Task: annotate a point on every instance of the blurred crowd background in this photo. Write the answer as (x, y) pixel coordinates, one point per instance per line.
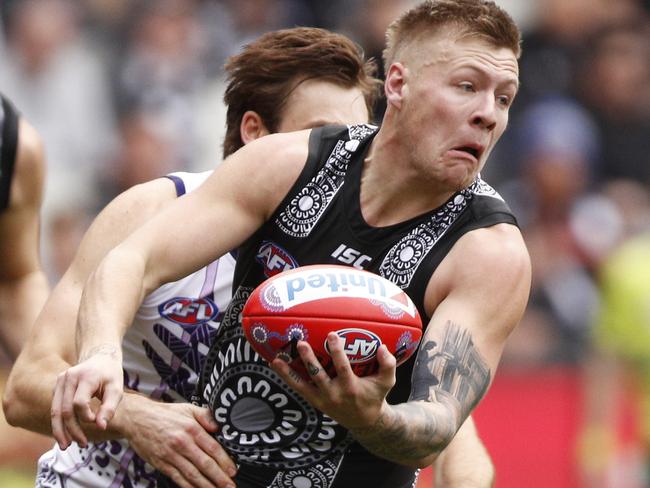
(123, 91)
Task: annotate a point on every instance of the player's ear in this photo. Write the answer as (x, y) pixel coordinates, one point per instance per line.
(395, 86)
(252, 127)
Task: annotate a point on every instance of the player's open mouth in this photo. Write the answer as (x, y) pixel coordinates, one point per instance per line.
(474, 151)
(471, 150)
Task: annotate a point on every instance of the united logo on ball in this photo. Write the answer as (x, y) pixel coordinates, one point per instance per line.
(307, 303)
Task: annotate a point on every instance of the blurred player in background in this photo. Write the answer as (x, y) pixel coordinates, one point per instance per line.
(287, 80)
(23, 285)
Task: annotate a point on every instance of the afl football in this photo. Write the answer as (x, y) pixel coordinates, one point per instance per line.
(306, 303)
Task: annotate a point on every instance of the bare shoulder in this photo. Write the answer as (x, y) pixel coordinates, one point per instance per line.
(488, 270)
(143, 200)
(498, 250)
(278, 154)
(261, 173)
(122, 216)
(497, 254)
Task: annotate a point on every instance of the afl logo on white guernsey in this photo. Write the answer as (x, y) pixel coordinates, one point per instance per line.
(189, 311)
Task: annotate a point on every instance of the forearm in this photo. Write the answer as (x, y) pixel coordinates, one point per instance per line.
(415, 432)
(27, 400)
(120, 426)
(27, 396)
(465, 462)
(412, 433)
(110, 299)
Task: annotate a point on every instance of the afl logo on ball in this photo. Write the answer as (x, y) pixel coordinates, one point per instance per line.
(360, 345)
(189, 311)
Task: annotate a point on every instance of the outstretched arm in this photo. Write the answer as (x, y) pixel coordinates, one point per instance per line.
(218, 216)
(174, 438)
(23, 285)
(477, 295)
(50, 347)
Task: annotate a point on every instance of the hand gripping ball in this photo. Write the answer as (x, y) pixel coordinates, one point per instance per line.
(306, 303)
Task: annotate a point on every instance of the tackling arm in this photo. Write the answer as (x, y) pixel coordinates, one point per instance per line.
(175, 438)
(50, 347)
(239, 196)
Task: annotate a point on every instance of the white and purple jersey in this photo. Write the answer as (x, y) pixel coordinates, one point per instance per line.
(163, 352)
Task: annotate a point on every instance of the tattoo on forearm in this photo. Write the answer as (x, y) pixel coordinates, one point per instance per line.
(454, 367)
(408, 432)
(451, 377)
(107, 349)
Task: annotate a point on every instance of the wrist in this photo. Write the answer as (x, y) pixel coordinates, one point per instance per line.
(125, 413)
(376, 422)
(107, 349)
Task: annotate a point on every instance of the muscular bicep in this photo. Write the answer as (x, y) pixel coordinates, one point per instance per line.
(219, 215)
(53, 333)
(486, 279)
(126, 213)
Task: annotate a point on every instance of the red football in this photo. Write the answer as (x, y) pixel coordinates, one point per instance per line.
(307, 303)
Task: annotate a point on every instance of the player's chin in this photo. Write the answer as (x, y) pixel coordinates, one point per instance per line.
(467, 176)
(459, 181)
(460, 174)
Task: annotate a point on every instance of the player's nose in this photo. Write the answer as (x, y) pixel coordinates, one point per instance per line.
(484, 114)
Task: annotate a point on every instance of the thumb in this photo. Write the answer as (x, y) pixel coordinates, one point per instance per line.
(204, 417)
(110, 400)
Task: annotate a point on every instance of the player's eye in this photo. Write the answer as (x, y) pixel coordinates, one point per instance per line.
(466, 86)
(504, 100)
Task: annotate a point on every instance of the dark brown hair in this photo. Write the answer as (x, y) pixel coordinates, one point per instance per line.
(263, 75)
(480, 18)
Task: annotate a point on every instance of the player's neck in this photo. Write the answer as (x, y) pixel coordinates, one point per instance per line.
(391, 193)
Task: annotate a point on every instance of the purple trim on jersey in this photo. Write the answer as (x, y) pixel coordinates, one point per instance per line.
(178, 183)
(89, 457)
(159, 392)
(210, 278)
(124, 468)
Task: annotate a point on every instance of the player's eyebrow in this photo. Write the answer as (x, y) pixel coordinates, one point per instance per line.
(505, 82)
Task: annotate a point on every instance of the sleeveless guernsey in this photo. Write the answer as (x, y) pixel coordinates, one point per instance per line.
(8, 147)
(278, 439)
(163, 352)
